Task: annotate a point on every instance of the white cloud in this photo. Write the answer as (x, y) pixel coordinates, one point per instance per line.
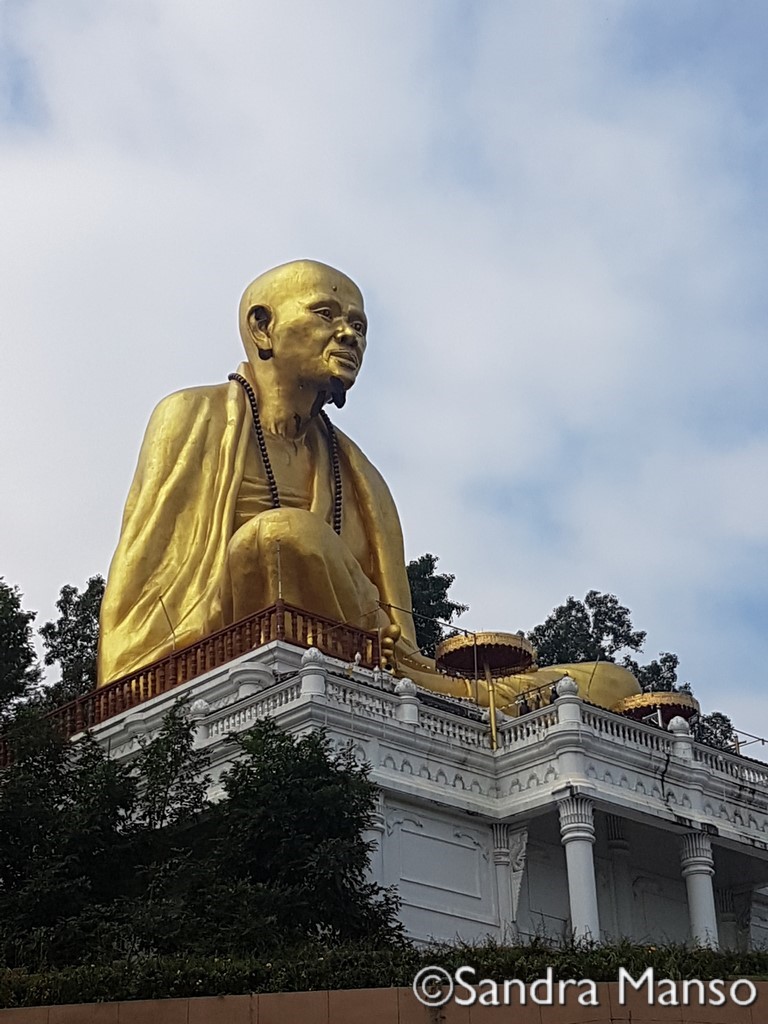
(556, 248)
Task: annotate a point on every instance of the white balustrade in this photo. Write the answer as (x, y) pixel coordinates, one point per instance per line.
(626, 732)
(736, 767)
(454, 729)
(373, 703)
(531, 728)
(240, 718)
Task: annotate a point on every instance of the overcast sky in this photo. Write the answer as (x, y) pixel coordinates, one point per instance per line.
(556, 212)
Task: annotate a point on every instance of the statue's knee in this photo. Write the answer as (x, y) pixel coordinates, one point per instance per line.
(291, 527)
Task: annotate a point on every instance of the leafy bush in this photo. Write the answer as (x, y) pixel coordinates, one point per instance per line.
(319, 967)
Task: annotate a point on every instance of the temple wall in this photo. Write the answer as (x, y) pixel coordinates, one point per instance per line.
(477, 840)
(442, 864)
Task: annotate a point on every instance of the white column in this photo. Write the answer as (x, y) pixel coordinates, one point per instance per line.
(577, 830)
(618, 848)
(726, 910)
(698, 868)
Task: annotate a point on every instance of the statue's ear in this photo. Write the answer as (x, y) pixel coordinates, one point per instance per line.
(259, 319)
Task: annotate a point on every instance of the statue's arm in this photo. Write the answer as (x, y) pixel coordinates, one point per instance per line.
(151, 576)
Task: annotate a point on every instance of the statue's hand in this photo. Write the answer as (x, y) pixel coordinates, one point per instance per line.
(389, 637)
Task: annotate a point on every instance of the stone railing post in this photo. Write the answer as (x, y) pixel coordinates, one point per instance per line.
(408, 709)
(682, 743)
(312, 673)
(570, 752)
(698, 870)
(568, 701)
(577, 830)
(198, 710)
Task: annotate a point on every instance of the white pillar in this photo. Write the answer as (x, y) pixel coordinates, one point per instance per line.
(698, 868)
(568, 701)
(312, 673)
(577, 830)
(682, 744)
(408, 710)
(618, 848)
(569, 743)
(726, 909)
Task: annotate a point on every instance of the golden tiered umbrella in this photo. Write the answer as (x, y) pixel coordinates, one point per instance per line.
(496, 655)
(667, 704)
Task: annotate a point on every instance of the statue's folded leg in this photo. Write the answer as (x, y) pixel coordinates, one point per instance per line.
(297, 553)
(602, 683)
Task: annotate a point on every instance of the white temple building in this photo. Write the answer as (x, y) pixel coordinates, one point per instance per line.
(580, 822)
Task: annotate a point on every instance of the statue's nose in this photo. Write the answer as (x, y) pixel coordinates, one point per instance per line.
(347, 335)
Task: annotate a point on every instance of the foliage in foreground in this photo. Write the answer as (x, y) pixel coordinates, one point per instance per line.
(317, 966)
(100, 860)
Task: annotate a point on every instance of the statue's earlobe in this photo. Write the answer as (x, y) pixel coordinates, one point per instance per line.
(259, 318)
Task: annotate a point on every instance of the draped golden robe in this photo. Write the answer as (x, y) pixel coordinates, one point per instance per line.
(178, 558)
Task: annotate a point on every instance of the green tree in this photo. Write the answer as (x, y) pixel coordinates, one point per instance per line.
(659, 675)
(63, 810)
(72, 641)
(87, 843)
(19, 670)
(289, 847)
(100, 859)
(173, 773)
(599, 628)
(429, 594)
(596, 628)
(716, 730)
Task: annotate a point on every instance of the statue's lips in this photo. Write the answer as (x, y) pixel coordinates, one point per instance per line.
(349, 358)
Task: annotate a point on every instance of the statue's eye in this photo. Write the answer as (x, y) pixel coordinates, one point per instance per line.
(325, 313)
(359, 326)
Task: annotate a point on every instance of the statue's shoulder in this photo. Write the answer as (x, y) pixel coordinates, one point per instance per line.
(190, 412)
(194, 398)
(190, 403)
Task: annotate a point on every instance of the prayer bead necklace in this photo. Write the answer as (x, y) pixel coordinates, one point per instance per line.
(333, 450)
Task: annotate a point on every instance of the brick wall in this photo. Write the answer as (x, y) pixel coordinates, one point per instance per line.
(380, 1006)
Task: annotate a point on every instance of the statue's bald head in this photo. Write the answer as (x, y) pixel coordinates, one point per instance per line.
(307, 320)
(286, 282)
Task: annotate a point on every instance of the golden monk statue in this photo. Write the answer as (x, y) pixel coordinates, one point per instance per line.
(245, 490)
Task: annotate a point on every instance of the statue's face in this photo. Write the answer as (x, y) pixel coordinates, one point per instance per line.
(319, 330)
